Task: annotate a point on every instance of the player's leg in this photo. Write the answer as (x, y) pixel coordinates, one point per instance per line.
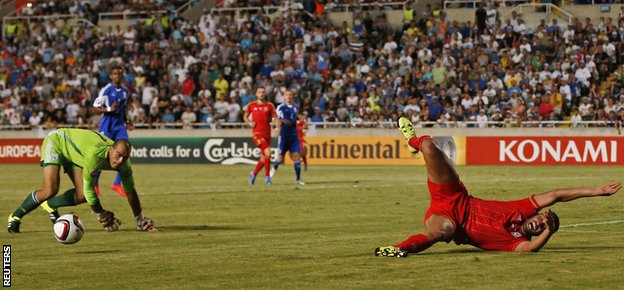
(96, 179)
(304, 155)
(439, 167)
(267, 163)
(278, 160)
(104, 131)
(51, 181)
(437, 229)
(70, 197)
(280, 155)
(259, 141)
(119, 133)
(295, 155)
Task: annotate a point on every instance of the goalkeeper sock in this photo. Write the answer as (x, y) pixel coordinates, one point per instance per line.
(259, 166)
(415, 243)
(68, 198)
(267, 166)
(117, 179)
(30, 202)
(298, 169)
(417, 141)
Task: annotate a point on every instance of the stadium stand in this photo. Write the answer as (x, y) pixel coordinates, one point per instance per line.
(363, 71)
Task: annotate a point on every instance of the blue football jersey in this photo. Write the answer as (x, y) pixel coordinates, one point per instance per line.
(289, 113)
(113, 123)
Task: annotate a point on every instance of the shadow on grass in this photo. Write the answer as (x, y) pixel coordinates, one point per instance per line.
(98, 252)
(197, 228)
(341, 182)
(581, 248)
(455, 251)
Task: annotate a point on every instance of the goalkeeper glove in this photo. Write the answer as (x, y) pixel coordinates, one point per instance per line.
(108, 220)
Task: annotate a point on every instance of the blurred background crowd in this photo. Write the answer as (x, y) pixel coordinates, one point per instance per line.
(433, 70)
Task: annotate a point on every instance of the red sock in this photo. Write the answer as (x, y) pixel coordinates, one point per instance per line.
(259, 166)
(267, 166)
(304, 159)
(415, 243)
(416, 141)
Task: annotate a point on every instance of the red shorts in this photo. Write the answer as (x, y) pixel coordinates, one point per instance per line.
(449, 200)
(262, 141)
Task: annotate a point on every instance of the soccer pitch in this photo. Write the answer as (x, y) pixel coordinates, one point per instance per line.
(218, 232)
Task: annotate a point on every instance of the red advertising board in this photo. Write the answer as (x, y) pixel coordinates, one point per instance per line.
(20, 150)
(544, 150)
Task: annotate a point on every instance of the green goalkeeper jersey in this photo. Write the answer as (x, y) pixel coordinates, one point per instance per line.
(68, 147)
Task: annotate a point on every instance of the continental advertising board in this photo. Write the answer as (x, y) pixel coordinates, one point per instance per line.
(375, 150)
(360, 150)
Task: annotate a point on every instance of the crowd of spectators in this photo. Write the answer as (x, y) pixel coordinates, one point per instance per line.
(84, 9)
(432, 70)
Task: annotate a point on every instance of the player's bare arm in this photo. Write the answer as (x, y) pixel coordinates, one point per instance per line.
(537, 243)
(104, 109)
(249, 123)
(568, 194)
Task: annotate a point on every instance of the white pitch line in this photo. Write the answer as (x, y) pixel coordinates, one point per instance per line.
(591, 224)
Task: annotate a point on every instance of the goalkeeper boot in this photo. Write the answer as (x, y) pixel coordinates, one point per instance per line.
(391, 251)
(405, 126)
(52, 213)
(252, 178)
(14, 224)
(300, 182)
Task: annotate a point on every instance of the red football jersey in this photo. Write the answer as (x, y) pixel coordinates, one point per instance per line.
(497, 225)
(261, 114)
(300, 125)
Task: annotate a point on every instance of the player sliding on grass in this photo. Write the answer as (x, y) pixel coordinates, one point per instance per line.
(455, 215)
(82, 154)
(288, 136)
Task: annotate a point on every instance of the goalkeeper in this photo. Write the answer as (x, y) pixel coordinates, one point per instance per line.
(81, 153)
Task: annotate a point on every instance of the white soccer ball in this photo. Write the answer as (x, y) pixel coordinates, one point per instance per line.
(68, 229)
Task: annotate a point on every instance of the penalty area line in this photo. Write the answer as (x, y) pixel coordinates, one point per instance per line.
(591, 224)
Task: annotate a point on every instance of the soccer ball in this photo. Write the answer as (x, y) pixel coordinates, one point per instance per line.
(68, 229)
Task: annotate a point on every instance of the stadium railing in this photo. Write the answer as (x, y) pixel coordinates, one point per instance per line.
(474, 3)
(67, 17)
(364, 124)
(5, 2)
(134, 15)
(365, 6)
(186, 6)
(541, 7)
(140, 15)
(238, 10)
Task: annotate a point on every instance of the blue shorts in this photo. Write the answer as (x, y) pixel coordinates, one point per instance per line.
(115, 133)
(288, 143)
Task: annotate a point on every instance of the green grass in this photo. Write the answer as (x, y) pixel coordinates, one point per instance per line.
(218, 232)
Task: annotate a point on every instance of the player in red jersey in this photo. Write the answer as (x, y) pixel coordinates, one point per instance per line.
(455, 215)
(258, 116)
(302, 127)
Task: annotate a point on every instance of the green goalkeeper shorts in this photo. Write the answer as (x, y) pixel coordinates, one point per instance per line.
(51, 152)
